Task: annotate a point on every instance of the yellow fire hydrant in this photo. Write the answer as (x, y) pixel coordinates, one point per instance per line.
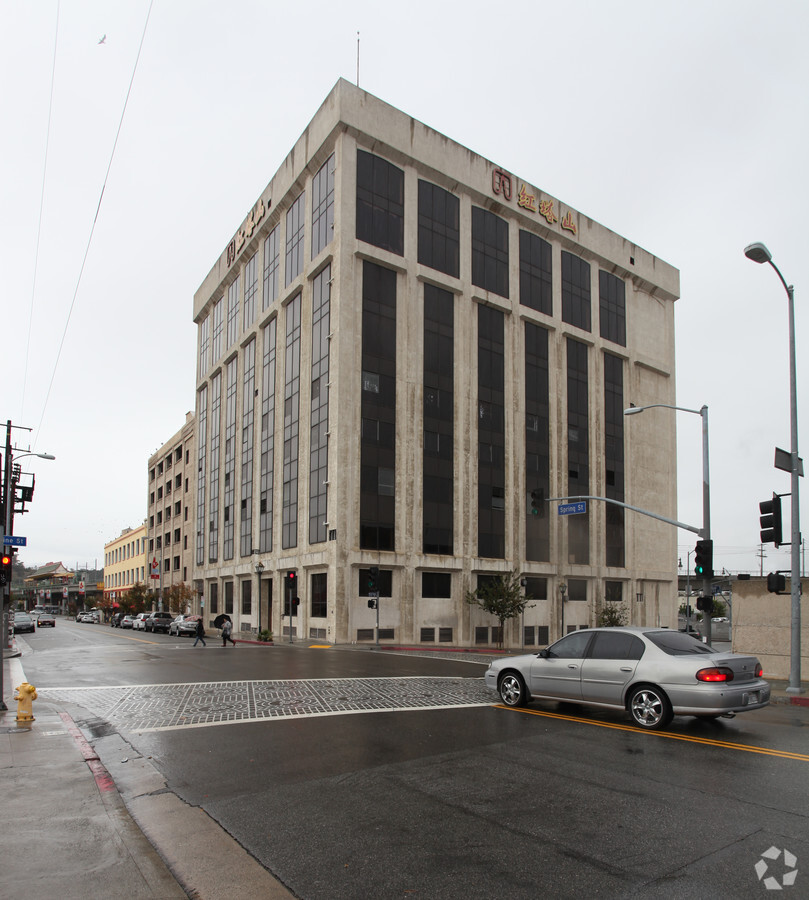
(25, 696)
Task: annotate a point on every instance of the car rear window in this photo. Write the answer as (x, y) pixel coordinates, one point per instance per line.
(676, 643)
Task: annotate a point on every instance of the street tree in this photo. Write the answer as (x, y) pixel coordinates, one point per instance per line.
(612, 615)
(177, 597)
(500, 596)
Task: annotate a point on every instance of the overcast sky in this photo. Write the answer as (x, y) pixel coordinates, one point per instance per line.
(683, 127)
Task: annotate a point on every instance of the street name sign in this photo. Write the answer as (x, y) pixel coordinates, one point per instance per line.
(14, 540)
(572, 509)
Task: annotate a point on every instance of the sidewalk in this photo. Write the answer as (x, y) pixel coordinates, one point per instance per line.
(81, 818)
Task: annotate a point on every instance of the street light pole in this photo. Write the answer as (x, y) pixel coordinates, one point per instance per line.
(259, 570)
(706, 486)
(760, 254)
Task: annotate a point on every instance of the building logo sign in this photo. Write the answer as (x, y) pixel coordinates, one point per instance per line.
(244, 234)
(501, 187)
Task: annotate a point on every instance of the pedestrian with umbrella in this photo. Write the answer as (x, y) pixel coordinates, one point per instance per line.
(223, 621)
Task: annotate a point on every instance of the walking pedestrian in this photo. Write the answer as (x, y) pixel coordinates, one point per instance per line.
(227, 627)
(200, 633)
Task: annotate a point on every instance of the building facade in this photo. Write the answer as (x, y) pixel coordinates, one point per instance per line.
(171, 506)
(125, 563)
(406, 356)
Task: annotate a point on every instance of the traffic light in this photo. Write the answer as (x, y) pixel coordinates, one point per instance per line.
(703, 559)
(372, 603)
(5, 569)
(538, 502)
(776, 583)
(771, 530)
(373, 574)
(290, 579)
(704, 604)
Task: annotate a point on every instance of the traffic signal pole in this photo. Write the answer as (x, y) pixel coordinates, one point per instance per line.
(706, 516)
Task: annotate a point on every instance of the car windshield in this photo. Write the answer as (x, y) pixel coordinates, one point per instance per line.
(676, 643)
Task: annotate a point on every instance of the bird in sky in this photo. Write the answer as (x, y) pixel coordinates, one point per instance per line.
(103, 40)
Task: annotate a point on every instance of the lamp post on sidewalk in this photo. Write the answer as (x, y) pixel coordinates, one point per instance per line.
(259, 570)
(760, 254)
(702, 412)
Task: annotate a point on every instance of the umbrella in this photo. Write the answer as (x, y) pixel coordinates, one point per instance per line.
(219, 621)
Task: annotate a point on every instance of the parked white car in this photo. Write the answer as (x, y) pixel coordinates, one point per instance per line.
(140, 621)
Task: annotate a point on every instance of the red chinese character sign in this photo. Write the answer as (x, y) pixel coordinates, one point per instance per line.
(154, 568)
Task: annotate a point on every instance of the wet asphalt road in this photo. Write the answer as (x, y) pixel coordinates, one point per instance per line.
(474, 802)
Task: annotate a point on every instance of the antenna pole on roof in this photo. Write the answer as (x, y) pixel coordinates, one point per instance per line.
(358, 59)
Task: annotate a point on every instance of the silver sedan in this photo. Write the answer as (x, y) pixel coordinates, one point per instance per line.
(653, 673)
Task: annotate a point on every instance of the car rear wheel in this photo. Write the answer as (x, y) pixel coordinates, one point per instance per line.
(650, 708)
(512, 689)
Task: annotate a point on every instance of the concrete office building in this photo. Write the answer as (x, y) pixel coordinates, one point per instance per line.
(403, 349)
(171, 508)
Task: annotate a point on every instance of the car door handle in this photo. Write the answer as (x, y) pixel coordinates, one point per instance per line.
(572, 666)
(626, 668)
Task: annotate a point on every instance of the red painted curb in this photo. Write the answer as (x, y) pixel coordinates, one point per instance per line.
(102, 777)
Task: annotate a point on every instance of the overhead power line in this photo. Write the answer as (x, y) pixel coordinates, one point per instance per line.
(95, 220)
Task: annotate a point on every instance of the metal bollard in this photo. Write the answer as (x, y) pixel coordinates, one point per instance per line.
(25, 696)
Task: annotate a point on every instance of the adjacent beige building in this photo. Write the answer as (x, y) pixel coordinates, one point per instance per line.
(409, 360)
(171, 508)
(125, 563)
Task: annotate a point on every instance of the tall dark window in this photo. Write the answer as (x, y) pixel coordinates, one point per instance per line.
(213, 499)
(614, 458)
(266, 465)
(319, 412)
(491, 433)
(578, 449)
(489, 251)
(233, 312)
(612, 307)
(272, 256)
(250, 291)
(575, 291)
(439, 368)
(202, 461)
(378, 408)
(248, 438)
(319, 604)
(229, 597)
(229, 518)
(292, 399)
(380, 202)
(537, 442)
(296, 227)
(439, 229)
(536, 284)
(323, 207)
(247, 597)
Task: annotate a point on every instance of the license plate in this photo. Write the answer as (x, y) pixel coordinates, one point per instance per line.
(752, 697)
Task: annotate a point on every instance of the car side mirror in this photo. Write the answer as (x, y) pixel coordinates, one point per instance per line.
(544, 654)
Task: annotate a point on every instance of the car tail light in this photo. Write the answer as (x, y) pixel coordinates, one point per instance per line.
(717, 673)
(759, 671)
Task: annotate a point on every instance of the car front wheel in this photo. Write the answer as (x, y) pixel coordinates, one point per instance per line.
(512, 689)
(650, 708)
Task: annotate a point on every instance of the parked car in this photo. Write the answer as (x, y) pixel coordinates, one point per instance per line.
(653, 673)
(45, 619)
(184, 625)
(127, 621)
(140, 621)
(158, 621)
(23, 622)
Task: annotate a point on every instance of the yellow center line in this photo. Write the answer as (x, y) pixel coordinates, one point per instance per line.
(784, 754)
